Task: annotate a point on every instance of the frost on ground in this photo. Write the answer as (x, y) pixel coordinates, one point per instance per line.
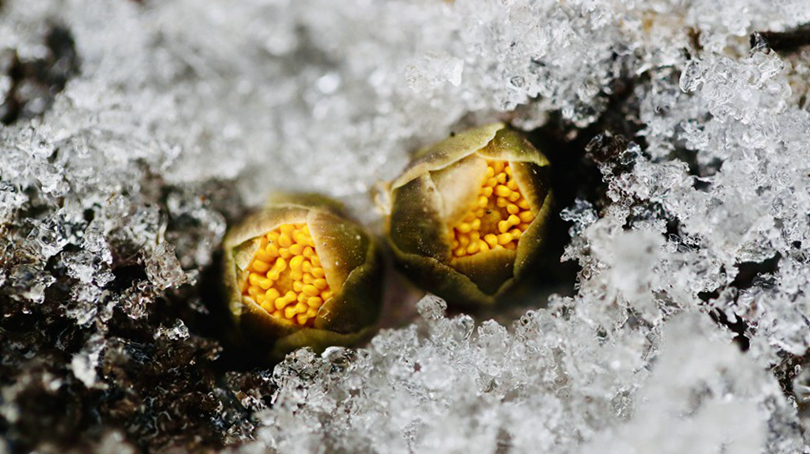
(136, 131)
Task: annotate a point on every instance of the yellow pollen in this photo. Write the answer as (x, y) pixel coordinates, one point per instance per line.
(265, 257)
(285, 276)
(320, 284)
(259, 266)
(498, 218)
(311, 290)
(285, 241)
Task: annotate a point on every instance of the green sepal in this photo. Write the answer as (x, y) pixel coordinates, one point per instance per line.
(448, 151)
(533, 182)
(342, 245)
(317, 339)
(488, 270)
(416, 224)
(305, 199)
(357, 305)
(509, 145)
(441, 279)
(531, 241)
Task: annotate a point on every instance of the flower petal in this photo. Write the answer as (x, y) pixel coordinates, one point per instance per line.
(458, 185)
(448, 151)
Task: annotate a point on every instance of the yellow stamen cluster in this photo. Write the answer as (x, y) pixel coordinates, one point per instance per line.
(498, 219)
(286, 277)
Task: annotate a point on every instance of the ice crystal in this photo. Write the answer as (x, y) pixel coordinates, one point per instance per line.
(163, 268)
(535, 389)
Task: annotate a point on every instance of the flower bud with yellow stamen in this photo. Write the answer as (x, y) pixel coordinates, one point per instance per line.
(468, 216)
(299, 273)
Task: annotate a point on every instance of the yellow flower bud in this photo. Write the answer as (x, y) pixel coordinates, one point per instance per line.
(299, 273)
(468, 216)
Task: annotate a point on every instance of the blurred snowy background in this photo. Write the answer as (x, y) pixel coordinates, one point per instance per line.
(135, 131)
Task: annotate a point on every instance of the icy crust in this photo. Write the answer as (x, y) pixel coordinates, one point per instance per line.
(138, 130)
(549, 385)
